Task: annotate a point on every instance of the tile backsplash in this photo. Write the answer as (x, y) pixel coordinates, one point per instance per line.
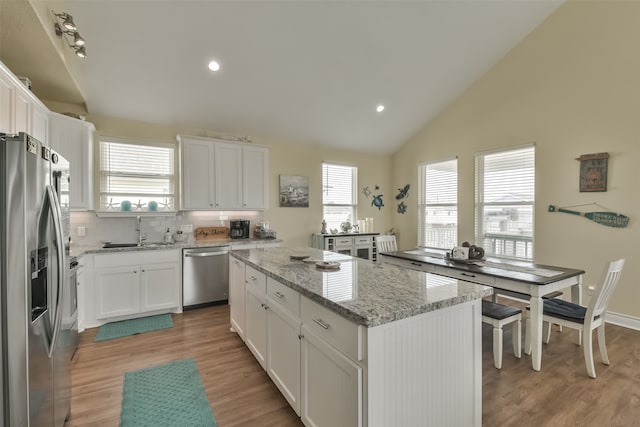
(123, 229)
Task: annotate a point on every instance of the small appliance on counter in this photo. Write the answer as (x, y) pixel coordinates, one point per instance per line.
(262, 231)
(239, 229)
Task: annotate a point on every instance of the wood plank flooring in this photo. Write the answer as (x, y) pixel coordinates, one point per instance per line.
(241, 393)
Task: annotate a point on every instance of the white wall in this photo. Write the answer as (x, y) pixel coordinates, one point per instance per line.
(572, 87)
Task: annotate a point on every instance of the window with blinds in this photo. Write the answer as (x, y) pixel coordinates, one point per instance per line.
(137, 172)
(438, 204)
(505, 201)
(339, 194)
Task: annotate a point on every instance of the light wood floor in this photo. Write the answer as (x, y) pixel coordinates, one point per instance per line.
(241, 393)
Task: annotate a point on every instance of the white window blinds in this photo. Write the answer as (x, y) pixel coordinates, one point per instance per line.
(339, 194)
(438, 204)
(142, 174)
(505, 201)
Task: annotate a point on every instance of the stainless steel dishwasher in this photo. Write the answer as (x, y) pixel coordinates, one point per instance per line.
(205, 276)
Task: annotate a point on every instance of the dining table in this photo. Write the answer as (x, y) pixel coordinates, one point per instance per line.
(527, 280)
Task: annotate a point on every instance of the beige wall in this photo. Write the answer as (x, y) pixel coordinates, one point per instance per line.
(572, 87)
(294, 225)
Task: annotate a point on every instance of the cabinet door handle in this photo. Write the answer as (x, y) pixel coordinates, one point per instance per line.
(300, 336)
(321, 323)
(142, 271)
(253, 278)
(278, 294)
(135, 271)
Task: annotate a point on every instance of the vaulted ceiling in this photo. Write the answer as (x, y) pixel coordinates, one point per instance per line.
(306, 71)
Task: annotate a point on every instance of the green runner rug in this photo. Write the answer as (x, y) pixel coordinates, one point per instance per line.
(166, 395)
(124, 328)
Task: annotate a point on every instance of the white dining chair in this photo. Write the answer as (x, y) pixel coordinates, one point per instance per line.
(386, 243)
(584, 319)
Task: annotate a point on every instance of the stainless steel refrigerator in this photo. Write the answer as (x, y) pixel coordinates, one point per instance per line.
(36, 360)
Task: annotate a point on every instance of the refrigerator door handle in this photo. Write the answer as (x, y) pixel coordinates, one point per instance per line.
(59, 236)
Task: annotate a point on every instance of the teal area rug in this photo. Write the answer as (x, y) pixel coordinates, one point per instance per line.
(124, 328)
(166, 395)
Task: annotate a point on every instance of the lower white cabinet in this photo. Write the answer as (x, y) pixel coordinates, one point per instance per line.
(331, 385)
(133, 283)
(255, 336)
(283, 352)
(237, 296)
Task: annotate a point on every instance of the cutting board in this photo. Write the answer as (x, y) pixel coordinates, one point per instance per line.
(211, 233)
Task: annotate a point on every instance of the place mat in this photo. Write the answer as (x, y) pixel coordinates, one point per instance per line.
(125, 328)
(166, 395)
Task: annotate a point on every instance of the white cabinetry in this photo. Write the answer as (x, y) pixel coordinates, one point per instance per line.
(216, 174)
(255, 163)
(331, 385)
(357, 245)
(256, 314)
(21, 112)
(132, 283)
(6, 103)
(283, 340)
(228, 175)
(237, 296)
(39, 128)
(73, 139)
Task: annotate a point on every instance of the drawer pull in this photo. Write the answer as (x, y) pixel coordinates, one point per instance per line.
(278, 294)
(416, 264)
(321, 323)
(253, 278)
(467, 275)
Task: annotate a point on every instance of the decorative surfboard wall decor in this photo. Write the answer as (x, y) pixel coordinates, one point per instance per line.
(610, 219)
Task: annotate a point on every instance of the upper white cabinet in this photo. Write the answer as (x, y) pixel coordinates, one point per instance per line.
(255, 172)
(39, 128)
(218, 174)
(73, 139)
(228, 175)
(20, 109)
(6, 103)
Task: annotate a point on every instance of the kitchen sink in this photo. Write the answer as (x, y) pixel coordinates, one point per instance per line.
(155, 244)
(109, 245)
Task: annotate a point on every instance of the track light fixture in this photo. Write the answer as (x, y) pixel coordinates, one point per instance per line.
(66, 28)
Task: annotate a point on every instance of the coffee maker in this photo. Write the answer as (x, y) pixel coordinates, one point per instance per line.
(239, 229)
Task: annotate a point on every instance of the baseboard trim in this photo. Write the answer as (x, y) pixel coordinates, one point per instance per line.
(623, 320)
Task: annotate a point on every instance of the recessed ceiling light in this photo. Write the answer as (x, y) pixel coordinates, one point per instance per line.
(380, 108)
(214, 66)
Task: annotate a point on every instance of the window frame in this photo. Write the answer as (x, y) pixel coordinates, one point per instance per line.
(103, 210)
(424, 205)
(479, 206)
(354, 194)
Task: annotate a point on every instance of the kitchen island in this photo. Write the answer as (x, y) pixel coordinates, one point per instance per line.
(366, 344)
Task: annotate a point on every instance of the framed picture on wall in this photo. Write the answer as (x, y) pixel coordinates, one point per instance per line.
(593, 172)
(294, 191)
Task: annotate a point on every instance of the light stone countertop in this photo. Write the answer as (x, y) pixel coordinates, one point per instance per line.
(77, 250)
(365, 292)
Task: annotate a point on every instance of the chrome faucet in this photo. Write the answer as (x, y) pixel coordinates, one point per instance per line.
(139, 230)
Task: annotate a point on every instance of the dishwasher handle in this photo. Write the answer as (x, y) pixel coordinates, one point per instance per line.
(205, 254)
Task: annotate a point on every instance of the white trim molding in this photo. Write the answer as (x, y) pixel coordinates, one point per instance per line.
(623, 320)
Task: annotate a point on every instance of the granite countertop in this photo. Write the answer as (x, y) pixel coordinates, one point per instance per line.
(365, 292)
(537, 274)
(78, 250)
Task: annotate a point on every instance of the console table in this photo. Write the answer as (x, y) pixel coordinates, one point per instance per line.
(531, 279)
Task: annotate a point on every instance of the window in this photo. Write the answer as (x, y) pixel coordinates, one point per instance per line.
(138, 172)
(505, 195)
(339, 194)
(438, 204)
